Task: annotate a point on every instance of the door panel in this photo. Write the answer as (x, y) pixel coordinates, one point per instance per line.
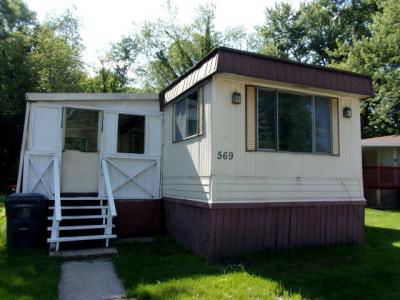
(45, 129)
(79, 172)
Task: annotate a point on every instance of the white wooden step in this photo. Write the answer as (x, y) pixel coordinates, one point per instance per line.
(82, 238)
(81, 227)
(80, 207)
(81, 198)
(80, 217)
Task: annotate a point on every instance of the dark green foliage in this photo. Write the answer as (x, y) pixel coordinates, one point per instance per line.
(309, 33)
(379, 56)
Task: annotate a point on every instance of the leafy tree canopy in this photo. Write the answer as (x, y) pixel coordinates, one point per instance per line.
(165, 49)
(378, 55)
(310, 32)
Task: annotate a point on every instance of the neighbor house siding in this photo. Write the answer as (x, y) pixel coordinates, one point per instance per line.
(271, 176)
(187, 164)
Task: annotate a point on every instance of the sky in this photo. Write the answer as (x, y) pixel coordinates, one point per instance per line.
(105, 21)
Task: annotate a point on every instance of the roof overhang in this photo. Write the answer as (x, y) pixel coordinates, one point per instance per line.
(226, 60)
(380, 145)
(91, 96)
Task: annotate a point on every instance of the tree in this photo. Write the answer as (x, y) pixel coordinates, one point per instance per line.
(16, 26)
(33, 57)
(56, 55)
(379, 56)
(165, 49)
(315, 29)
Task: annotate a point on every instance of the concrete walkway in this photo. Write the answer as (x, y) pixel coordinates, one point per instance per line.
(89, 280)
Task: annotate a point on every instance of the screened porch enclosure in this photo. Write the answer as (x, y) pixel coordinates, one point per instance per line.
(86, 141)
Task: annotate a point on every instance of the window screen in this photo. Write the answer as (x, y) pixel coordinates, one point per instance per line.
(81, 130)
(131, 130)
(186, 117)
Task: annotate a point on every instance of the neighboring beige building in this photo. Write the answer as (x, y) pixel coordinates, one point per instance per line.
(381, 168)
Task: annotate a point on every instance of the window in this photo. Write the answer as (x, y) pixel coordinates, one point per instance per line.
(295, 123)
(186, 117)
(81, 130)
(131, 134)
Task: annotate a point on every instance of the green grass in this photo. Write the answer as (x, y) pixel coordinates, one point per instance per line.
(25, 274)
(164, 270)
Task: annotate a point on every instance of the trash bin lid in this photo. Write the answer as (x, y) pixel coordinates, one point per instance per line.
(25, 197)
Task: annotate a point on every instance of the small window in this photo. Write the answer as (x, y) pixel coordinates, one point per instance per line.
(81, 130)
(131, 134)
(186, 117)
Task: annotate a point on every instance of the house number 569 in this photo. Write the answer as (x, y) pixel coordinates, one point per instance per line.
(225, 155)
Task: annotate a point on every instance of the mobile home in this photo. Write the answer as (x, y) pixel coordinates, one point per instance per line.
(248, 153)
(262, 153)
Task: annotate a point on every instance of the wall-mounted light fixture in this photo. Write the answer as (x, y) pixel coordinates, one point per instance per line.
(236, 98)
(347, 112)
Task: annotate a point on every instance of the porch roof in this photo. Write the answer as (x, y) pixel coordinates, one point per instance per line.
(90, 96)
(382, 141)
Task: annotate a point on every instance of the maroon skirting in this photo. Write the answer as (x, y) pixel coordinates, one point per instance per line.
(228, 230)
(136, 218)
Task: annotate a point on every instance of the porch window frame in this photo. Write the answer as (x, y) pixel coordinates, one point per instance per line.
(145, 134)
(313, 119)
(64, 125)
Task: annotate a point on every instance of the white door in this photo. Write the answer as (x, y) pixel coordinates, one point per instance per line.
(80, 163)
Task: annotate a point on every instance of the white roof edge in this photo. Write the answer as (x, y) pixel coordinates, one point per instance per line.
(89, 96)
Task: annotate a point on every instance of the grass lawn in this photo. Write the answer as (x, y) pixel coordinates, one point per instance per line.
(28, 274)
(164, 270)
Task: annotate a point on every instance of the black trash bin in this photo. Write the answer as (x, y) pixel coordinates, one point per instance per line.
(26, 220)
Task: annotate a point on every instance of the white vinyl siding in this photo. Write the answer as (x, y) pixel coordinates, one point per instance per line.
(260, 176)
(187, 164)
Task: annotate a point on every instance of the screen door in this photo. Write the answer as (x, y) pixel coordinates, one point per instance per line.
(80, 158)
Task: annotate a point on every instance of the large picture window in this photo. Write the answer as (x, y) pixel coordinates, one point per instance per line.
(131, 130)
(291, 122)
(186, 117)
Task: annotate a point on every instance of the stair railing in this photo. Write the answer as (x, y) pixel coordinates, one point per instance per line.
(111, 211)
(57, 217)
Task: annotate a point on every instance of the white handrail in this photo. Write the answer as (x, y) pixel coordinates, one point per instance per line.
(110, 197)
(57, 198)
